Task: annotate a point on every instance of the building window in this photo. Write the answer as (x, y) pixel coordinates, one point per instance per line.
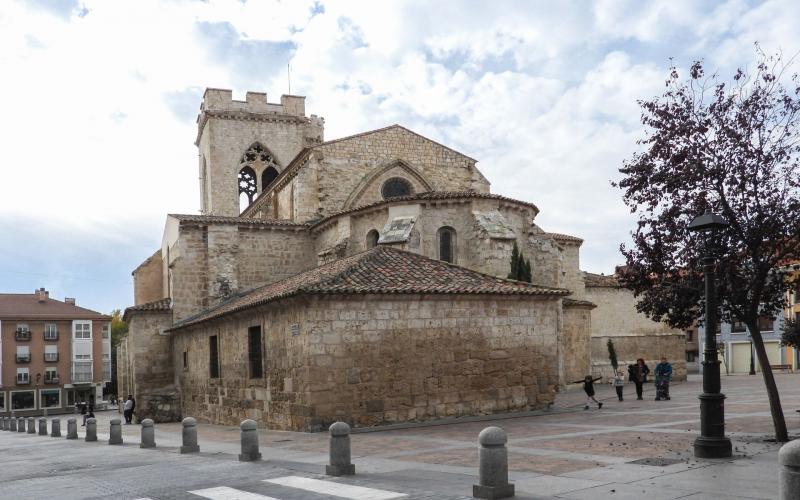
(254, 352)
(185, 360)
(50, 398)
(247, 187)
(738, 327)
(23, 332)
(50, 376)
(688, 335)
(23, 354)
(3, 401)
(396, 187)
(23, 376)
(372, 239)
(50, 331)
(447, 244)
(23, 400)
(213, 357)
(267, 176)
(83, 330)
(765, 323)
(106, 331)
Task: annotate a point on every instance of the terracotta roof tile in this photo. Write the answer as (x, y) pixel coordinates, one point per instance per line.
(565, 237)
(600, 280)
(381, 270)
(220, 219)
(156, 305)
(27, 306)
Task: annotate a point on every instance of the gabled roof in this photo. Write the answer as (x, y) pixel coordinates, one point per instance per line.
(244, 221)
(160, 305)
(381, 270)
(27, 306)
(565, 238)
(600, 280)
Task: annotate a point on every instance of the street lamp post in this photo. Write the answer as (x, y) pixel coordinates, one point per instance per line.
(711, 443)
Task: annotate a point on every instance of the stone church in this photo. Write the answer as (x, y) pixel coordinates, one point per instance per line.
(358, 279)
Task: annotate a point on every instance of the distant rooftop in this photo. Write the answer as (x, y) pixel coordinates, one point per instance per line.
(39, 305)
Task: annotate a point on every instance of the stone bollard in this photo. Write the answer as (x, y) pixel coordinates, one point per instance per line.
(31, 425)
(42, 426)
(72, 428)
(55, 427)
(5, 423)
(148, 434)
(340, 451)
(115, 432)
(91, 429)
(789, 482)
(21, 424)
(249, 431)
(189, 435)
(12, 424)
(493, 465)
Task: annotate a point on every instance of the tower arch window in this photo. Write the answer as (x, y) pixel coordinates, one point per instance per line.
(247, 186)
(446, 237)
(372, 239)
(269, 175)
(396, 187)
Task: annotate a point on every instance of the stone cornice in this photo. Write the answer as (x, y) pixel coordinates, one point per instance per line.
(205, 115)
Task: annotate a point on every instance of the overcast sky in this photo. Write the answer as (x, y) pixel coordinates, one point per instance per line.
(99, 101)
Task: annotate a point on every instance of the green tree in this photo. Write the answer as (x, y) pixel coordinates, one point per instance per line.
(520, 267)
(612, 355)
(118, 327)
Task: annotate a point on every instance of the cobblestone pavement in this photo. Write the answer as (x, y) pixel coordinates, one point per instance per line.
(631, 449)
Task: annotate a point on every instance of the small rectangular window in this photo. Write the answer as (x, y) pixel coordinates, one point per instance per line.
(3, 401)
(83, 330)
(213, 357)
(50, 331)
(185, 360)
(106, 331)
(254, 352)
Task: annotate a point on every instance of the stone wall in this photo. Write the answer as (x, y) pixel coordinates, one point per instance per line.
(576, 342)
(373, 360)
(147, 280)
(650, 347)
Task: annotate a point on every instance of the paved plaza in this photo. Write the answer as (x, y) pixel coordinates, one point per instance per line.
(634, 449)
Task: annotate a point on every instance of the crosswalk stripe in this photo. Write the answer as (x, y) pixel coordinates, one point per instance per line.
(225, 493)
(335, 489)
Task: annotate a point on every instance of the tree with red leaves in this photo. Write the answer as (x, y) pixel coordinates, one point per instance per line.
(732, 148)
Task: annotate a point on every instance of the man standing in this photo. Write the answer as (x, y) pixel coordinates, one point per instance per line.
(663, 375)
(128, 409)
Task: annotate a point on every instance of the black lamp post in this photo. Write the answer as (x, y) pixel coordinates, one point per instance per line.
(711, 443)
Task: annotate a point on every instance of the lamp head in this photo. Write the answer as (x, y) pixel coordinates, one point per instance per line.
(708, 222)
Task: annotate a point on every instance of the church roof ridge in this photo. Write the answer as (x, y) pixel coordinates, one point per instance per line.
(380, 270)
(565, 237)
(223, 219)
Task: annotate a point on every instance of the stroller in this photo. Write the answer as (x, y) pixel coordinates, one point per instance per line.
(662, 388)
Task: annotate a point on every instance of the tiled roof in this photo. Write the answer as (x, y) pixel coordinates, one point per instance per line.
(27, 306)
(578, 303)
(600, 280)
(156, 305)
(381, 270)
(565, 237)
(426, 196)
(221, 219)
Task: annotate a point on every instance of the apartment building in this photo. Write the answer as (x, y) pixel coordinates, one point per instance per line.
(52, 354)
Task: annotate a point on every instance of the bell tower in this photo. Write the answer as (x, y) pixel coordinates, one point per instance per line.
(244, 145)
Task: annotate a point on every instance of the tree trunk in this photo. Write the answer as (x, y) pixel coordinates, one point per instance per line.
(781, 435)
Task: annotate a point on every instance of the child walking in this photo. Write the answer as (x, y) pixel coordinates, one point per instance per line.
(619, 382)
(588, 388)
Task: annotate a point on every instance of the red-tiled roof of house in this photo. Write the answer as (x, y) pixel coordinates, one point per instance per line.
(600, 280)
(160, 305)
(381, 270)
(28, 306)
(221, 219)
(565, 237)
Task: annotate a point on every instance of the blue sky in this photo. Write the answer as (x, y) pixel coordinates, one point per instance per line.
(101, 99)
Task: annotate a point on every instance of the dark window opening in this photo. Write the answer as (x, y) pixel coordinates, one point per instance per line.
(185, 360)
(247, 186)
(254, 352)
(372, 239)
(213, 357)
(395, 187)
(738, 327)
(765, 323)
(267, 177)
(447, 236)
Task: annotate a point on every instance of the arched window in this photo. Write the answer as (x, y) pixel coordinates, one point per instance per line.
(447, 244)
(247, 186)
(267, 177)
(395, 187)
(372, 239)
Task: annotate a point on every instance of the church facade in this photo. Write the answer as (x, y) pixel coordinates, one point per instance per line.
(358, 279)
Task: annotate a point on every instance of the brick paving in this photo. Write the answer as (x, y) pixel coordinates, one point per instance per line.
(565, 453)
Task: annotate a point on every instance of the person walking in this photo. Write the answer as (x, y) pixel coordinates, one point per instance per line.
(619, 382)
(83, 413)
(663, 376)
(128, 409)
(637, 374)
(588, 388)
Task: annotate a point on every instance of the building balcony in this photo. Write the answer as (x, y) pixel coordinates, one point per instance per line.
(82, 372)
(23, 380)
(23, 359)
(52, 380)
(50, 336)
(22, 335)
(50, 357)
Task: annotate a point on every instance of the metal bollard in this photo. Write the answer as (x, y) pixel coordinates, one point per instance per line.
(12, 424)
(493, 465)
(91, 430)
(55, 427)
(189, 435)
(72, 428)
(148, 434)
(115, 432)
(340, 451)
(789, 481)
(249, 431)
(42, 426)
(31, 425)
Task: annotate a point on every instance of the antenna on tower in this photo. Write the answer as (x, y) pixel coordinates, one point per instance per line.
(289, 76)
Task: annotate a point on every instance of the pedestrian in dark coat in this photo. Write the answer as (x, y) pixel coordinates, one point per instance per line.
(638, 375)
(588, 388)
